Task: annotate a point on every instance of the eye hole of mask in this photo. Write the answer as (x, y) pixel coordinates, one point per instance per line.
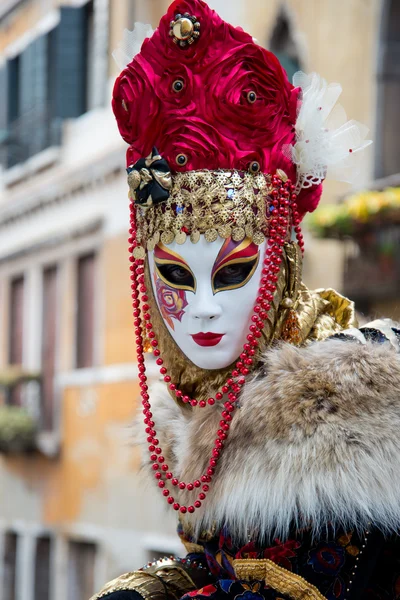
(176, 276)
(235, 275)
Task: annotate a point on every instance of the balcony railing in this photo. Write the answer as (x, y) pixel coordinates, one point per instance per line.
(28, 135)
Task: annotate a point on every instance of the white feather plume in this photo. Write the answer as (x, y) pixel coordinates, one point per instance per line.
(327, 145)
(131, 44)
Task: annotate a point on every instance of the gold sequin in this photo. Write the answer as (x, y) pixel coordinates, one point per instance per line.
(211, 235)
(167, 237)
(258, 238)
(195, 237)
(180, 237)
(238, 234)
(225, 231)
(139, 253)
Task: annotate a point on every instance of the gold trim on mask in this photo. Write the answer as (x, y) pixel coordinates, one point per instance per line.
(248, 259)
(169, 283)
(180, 262)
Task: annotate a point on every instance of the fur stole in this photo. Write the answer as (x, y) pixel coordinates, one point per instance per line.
(316, 441)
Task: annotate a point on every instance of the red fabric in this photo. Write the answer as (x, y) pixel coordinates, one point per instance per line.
(211, 120)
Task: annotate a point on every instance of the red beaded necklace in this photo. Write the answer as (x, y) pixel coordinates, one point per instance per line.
(283, 203)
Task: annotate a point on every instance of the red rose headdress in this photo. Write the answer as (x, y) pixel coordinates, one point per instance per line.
(209, 98)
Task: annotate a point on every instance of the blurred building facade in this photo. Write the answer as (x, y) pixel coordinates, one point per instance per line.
(73, 511)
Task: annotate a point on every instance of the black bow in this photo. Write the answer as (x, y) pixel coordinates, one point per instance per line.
(150, 180)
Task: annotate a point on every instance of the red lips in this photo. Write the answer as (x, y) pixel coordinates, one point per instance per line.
(207, 339)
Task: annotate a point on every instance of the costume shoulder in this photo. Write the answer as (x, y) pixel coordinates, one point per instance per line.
(121, 588)
(167, 577)
(315, 440)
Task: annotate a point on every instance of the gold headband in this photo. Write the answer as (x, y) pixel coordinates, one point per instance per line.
(224, 203)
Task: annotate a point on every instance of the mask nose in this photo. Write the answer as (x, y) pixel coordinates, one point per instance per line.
(204, 306)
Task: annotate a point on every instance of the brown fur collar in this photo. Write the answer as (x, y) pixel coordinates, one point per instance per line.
(315, 441)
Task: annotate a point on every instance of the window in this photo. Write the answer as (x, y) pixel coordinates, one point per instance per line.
(85, 311)
(10, 566)
(388, 123)
(42, 568)
(283, 45)
(52, 79)
(16, 333)
(49, 325)
(81, 564)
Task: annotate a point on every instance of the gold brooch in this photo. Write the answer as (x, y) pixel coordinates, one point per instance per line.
(184, 30)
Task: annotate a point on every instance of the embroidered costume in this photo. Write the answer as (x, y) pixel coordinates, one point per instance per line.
(275, 432)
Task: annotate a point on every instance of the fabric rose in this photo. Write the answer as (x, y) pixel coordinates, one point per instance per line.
(327, 558)
(249, 68)
(135, 105)
(211, 120)
(215, 36)
(198, 141)
(175, 102)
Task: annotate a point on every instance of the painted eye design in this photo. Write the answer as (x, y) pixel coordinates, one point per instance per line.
(176, 276)
(234, 275)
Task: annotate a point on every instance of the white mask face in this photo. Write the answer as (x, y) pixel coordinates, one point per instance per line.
(206, 293)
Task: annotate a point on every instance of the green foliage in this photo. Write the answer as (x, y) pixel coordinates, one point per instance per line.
(17, 430)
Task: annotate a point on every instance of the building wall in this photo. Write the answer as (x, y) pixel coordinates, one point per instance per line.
(85, 484)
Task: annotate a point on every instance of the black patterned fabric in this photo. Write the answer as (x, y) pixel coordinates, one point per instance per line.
(345, 566)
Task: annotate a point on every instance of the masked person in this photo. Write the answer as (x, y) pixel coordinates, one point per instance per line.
(275, 432)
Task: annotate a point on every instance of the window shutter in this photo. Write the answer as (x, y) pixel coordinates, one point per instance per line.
(3, 114)
(68, 45)
(33, 97)
(85, 311)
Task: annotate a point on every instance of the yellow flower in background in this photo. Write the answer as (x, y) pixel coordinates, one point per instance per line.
(358, 208)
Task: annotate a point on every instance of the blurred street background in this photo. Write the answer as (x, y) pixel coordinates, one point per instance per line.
(74, 511)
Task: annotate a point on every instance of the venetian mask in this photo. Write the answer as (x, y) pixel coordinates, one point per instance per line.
(205, 293)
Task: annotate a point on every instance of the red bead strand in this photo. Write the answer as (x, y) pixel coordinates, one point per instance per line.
(283, 202)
